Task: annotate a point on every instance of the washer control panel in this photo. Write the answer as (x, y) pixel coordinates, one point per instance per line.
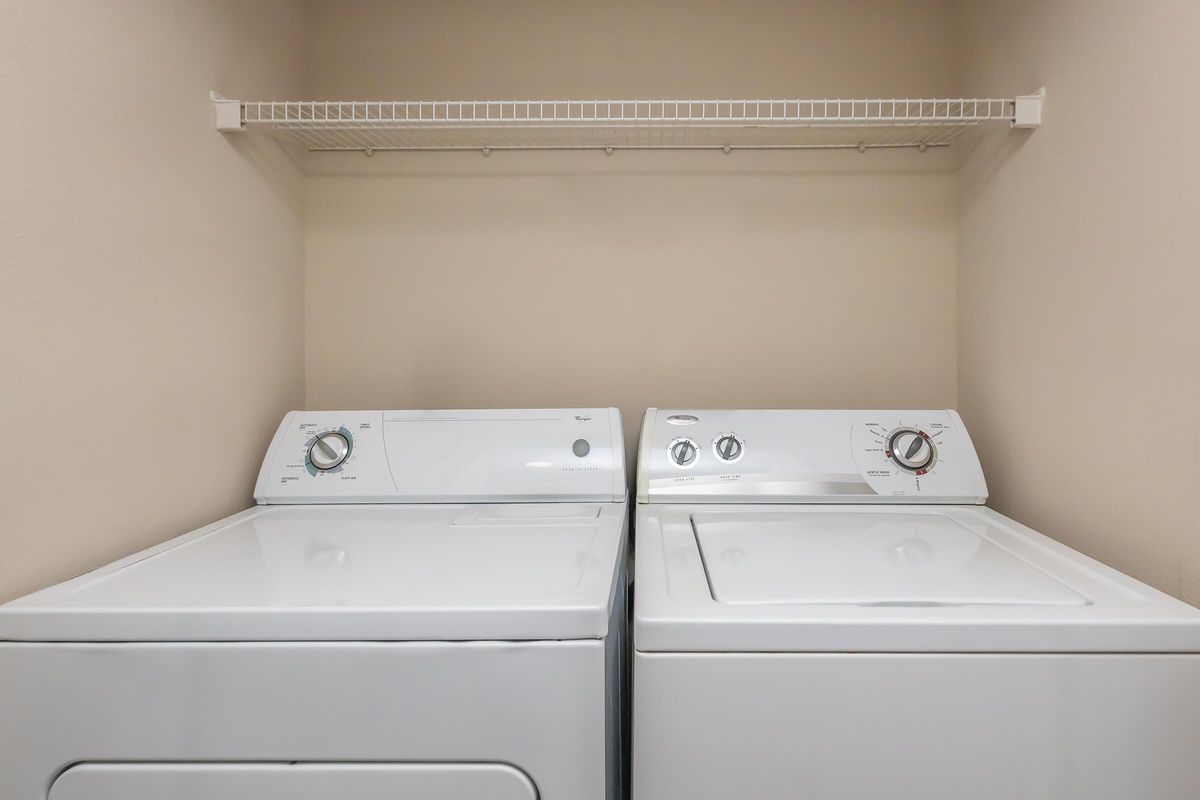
(798, 456)
(551, 455)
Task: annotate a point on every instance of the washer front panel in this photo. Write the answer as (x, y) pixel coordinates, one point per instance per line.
(765, 726)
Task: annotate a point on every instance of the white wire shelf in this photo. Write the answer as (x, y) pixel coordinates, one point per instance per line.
(487, 125)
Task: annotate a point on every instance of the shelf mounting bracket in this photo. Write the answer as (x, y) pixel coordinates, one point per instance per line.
(228, 113)
(1028, 111)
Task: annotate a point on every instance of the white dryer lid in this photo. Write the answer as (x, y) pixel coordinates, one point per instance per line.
(352, 573)
(839, 578)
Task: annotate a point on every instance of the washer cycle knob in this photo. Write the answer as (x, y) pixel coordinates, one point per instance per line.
(328, 451)
(682, 452)
(911, 449)
(729, 448)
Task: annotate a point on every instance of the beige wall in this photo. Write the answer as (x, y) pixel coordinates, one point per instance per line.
(1079, 289)
(155, 310)
(755, 279)
(151, 333)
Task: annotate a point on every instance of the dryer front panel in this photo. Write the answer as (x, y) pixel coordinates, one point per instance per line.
(292, 781)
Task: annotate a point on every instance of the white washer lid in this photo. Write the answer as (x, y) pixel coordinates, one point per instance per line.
(354, 573)
(878, 559)
(803, 578)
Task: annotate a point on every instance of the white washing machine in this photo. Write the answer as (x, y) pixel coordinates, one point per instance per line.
(423, 604)
(824, 609)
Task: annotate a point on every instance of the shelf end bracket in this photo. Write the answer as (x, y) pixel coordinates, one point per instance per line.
(1028, 109)
(228, 113)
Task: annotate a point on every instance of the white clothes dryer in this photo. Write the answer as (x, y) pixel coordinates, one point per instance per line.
(422, 604)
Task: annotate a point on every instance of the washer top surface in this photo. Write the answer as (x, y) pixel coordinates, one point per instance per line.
(881, 559)
(903, 578)
(350, 572)
(860, 531)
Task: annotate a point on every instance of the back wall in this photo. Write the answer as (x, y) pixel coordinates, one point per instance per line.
(700, 279)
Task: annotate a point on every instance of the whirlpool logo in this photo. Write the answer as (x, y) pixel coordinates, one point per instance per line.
(578, 418)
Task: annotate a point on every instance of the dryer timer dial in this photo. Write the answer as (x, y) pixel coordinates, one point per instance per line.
(328, 451)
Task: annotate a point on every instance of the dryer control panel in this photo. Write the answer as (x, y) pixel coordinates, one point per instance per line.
(551, 455)
(799, 456)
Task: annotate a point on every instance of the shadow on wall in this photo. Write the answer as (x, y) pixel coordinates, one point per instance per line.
(980, 160)
(276, 162)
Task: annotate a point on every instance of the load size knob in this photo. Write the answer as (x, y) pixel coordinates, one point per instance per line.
(328, 451)
(911, 449)
(682, 452)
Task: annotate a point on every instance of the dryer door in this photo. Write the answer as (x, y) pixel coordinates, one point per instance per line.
(293, 781)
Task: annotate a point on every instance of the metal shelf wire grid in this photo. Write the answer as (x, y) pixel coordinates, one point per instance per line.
(625, 124)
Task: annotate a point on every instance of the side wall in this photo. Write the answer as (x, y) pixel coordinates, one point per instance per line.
(809, 279)
(151, 270)
(1079, 352)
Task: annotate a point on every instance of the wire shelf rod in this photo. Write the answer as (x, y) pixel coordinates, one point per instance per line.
(610, 124)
